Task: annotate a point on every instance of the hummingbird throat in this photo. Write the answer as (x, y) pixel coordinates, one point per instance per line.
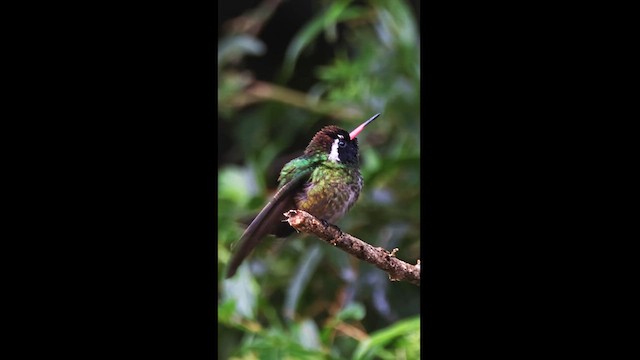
(333, 155)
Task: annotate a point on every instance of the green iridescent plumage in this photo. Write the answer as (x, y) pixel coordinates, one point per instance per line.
(331, 190)
(324, 182)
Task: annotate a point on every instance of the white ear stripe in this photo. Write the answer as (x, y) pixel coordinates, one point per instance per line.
(333, 156)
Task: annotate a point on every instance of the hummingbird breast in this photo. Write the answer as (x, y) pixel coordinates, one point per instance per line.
(330, 192)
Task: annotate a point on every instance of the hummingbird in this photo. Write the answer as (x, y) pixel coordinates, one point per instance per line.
(325, 181)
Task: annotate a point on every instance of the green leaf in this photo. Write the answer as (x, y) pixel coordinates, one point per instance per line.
(380, 338)
(277, 344)
(308, 335)
(354, 311)
(336, 12)
(226, 310)
(243, 289)
(307, 267)
(237, 185)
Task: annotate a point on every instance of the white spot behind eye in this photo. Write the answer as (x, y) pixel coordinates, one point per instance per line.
(333, 156)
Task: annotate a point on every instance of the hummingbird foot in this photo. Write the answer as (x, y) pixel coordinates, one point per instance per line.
(326, 224)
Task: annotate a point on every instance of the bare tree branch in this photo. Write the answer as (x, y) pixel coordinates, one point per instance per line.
(397, 269)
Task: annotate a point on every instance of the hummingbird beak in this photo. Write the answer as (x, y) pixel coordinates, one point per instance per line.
(357, 130)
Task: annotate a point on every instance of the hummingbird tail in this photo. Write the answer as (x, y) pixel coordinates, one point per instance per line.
(269, 221)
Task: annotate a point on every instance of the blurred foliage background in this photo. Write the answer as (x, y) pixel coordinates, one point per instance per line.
(285, 70)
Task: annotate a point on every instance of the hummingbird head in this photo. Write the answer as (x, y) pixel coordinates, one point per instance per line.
(337, 143)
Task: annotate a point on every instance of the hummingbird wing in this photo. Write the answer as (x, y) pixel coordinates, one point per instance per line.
(269, 220)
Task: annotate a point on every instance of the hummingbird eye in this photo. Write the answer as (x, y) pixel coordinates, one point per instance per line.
(342, 144)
